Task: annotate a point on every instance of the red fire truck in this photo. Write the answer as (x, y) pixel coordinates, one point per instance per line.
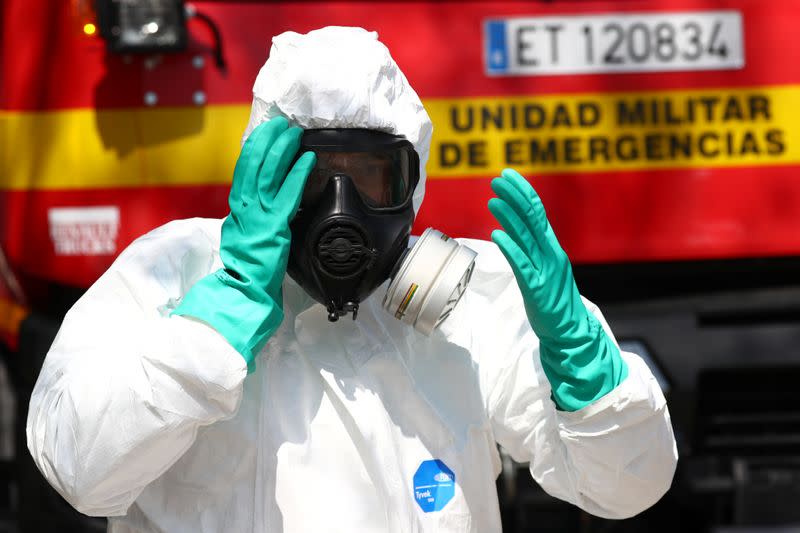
(662, 135)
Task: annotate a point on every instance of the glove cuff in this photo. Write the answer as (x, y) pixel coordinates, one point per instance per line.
(245, 321)
(584, 368)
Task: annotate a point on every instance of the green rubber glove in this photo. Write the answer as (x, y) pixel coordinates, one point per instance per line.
(581, 362)
(244, 301)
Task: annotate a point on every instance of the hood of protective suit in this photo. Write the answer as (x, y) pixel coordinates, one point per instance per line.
(338, 77)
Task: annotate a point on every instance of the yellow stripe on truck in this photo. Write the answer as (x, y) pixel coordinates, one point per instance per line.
(615, 131)
(88, 148)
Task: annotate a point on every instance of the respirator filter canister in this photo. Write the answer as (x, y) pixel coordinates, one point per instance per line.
(429, 281)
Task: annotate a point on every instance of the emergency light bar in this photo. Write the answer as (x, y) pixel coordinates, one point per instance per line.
(142, 26)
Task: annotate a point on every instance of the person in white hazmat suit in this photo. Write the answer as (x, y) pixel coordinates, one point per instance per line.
(196, 387)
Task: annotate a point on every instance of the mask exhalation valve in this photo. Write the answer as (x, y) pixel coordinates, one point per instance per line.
(343, 251)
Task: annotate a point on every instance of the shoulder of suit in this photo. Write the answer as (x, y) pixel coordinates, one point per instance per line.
(490, 258)
(176, 238)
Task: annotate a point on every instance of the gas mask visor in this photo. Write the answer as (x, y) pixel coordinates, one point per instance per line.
(352, 230)
(384, 168)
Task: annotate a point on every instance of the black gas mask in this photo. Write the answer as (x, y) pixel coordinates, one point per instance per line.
(351, 232)
(355, 217)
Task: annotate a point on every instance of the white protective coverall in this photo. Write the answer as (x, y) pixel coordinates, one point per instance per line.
(153, 420)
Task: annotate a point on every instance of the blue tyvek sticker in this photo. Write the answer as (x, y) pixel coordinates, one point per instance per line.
(496, 47)
(434, 485)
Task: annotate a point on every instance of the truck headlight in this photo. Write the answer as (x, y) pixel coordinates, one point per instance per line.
(131, 26)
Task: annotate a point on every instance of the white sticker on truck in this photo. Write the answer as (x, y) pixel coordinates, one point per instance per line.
(620, 42)
(84, 230)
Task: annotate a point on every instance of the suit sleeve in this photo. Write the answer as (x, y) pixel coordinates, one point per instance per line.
(124, 387)
(613, 458)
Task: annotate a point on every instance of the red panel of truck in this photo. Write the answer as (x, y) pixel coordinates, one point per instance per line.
(87, 166)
